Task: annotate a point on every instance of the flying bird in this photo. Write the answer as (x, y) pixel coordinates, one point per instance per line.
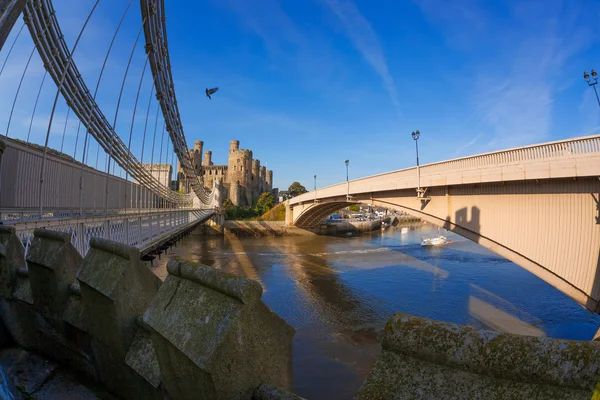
(211, 91)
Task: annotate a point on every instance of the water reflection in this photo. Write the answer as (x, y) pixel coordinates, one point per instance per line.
(339, 292)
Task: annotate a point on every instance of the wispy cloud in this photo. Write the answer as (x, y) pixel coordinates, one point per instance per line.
(518, 64)
(365, 40)
(459, 151)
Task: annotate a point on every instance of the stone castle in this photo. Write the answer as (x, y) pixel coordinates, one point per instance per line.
(243, 178)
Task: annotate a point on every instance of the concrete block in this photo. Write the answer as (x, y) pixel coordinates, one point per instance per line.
(214, 337)
(116, 288)
(423, 359)
(269, 392)
(52, 262)
(141, 356)
(12, 257)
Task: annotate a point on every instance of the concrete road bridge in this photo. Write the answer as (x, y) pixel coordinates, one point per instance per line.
(538, 206)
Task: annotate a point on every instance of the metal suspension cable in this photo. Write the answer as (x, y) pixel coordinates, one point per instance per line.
(55, 53)
(12, 109)
(35, 105)
(46, 26)
(160, 153)
(87, 131)
(137, 97)
(117, 110)
(11, 48)
(62, 81)
(166, 160)
(62, 142)
(144, 139)
(154, 137)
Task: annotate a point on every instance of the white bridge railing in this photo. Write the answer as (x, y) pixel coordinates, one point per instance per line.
(565, 158)
(140, 230)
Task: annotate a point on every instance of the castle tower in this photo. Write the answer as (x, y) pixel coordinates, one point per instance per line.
(207, 158)
(255, 179)
(269, 180)
(263, 179)
(197, 155)
(234, 145)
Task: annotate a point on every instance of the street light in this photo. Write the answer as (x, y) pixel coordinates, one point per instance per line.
(315, 188)
(592, 84)
(415, 136)
(347, 181)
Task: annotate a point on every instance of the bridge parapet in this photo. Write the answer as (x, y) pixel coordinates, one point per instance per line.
(570, 158)
(442, 360)
(91, 320)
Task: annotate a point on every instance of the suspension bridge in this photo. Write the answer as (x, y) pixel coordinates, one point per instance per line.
(97, 184)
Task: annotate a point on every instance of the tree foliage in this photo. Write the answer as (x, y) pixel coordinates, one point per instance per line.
(354, 207)
(296, 189)
(265, 202)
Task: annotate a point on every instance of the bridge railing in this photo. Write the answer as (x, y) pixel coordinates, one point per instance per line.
(494, 165)
(138, 230)
(559, 149)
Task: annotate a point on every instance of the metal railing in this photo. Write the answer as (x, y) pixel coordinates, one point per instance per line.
(139, 230)
(548, 152)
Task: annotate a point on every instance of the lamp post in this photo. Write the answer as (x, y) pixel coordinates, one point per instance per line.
(415, 136)
(592, 84)
(315, 188)
(347, 181)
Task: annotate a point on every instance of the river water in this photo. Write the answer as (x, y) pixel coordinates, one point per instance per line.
(338, 294)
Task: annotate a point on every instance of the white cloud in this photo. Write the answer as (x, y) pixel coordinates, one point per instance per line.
(365, 40)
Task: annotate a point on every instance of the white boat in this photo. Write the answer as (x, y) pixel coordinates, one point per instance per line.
(436, 241)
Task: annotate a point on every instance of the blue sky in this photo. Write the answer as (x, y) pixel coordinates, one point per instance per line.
(308, 84)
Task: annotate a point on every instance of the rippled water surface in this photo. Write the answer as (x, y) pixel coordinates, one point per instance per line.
(339, 292)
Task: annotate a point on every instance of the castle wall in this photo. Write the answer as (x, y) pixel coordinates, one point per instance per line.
(243, 178)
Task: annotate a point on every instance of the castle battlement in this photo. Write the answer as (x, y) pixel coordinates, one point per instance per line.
(243, 178)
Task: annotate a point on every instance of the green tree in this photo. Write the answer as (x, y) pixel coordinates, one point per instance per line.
(265, 202)
(296, 188)
(354, 207)
(228, 204)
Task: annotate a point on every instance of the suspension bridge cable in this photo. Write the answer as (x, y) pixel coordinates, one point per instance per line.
(35, 105)
(11, 48)
(112, 139)
(62, 142)
(46, 26)
(137, 97)
(160, 155)
(61, 83)
(144, 139)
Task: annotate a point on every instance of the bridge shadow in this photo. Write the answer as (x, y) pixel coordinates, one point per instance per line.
(463, 223)
(597, 201)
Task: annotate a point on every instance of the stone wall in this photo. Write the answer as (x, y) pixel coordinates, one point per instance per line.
(202, 334)
(426, 359)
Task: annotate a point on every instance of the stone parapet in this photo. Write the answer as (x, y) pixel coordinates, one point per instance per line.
(201, 334)
(212, 328)
(423, 359)
(52, 262)
(116, 288)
